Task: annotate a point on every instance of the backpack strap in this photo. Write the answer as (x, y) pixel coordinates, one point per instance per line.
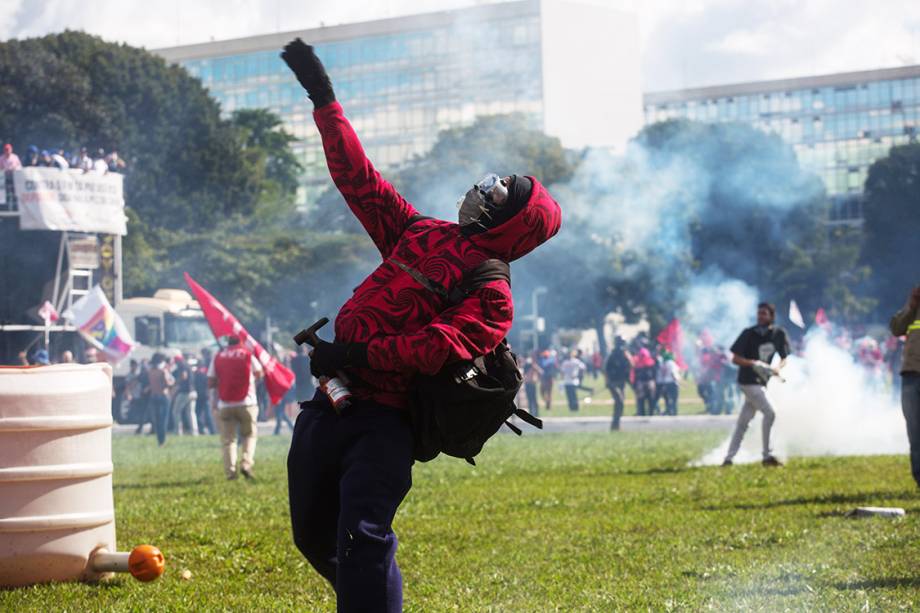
(488, 271)
(414, 220)
(514, 428)
(536, 422)
(431, 286)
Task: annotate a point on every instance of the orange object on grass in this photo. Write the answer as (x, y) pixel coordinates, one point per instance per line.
(146, 563)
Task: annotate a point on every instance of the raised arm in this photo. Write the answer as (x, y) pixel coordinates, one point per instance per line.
(374, 201)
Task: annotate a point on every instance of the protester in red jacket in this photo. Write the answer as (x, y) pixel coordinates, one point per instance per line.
(348, 473)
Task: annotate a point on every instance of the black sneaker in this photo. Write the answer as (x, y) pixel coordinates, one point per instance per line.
(771, 461)
(727, 463)
(232, 477)
(248, 474)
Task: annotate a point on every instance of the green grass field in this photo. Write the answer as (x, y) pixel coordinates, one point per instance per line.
(596, 522)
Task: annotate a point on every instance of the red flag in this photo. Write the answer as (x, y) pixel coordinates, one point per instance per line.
(278, 378)
(48, 313)
(671, 339)
(821, 318)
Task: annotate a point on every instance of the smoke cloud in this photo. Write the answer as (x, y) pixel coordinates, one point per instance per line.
(690, 219)
(829, 405)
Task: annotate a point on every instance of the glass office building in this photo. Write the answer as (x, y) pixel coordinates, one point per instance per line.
(838, 124)
(403, 80)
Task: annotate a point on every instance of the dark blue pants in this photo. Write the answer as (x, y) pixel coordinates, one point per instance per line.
(347, 475)
(203, 412)
(532, 405)
(670, 393)
(571, 394)
(618, 393)
(910, 405)
(160, 405)
(281, 417)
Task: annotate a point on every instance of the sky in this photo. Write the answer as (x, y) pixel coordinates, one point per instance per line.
(687, 43)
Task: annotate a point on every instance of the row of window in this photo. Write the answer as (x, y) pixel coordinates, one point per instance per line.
(519, 79)
(484, 41)
(876, 94)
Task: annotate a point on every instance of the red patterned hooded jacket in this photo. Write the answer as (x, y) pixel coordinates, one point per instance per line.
(409, 328)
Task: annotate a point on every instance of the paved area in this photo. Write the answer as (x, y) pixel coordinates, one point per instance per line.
(630, 423)
(567, 424)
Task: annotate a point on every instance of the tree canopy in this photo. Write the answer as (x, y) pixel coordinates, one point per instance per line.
(892, 225)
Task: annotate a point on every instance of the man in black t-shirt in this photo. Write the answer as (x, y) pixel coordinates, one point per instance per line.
(617, 368)
(753, 352)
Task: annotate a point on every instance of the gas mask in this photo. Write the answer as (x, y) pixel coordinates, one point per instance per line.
(479, 204)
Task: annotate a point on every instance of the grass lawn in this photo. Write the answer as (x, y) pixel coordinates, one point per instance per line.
(545, 522)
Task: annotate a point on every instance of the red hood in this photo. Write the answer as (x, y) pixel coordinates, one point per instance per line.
(534, 224)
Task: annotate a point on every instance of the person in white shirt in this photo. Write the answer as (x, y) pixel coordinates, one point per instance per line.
(572, 370)
(100, 166)
(59, 161)
(668, 382)
(83, 161)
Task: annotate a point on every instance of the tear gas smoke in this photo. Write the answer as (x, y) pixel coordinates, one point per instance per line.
(723, 307)
(829, 405)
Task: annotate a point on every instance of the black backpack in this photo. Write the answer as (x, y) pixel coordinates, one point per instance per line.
(458, 409)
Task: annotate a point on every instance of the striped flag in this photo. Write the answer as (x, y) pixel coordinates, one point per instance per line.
(101, 326)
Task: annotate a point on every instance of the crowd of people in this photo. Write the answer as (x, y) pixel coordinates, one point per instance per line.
(653, 374)
(98, 162)
(172, 395)
(650, 370)
(42, 357)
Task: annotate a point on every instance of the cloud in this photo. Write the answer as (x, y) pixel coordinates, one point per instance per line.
(173, 22)
(729, 41)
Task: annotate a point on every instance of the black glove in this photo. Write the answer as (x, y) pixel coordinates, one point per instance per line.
(301, 59)
(327, 359)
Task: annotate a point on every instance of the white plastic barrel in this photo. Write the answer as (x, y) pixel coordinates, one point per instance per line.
(55, 472)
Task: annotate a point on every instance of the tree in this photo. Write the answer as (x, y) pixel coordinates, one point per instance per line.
(258, 271)
(503, 144)
(755, 215)
(266, 147)
(751, 199)
(825, 273)
(892, 217)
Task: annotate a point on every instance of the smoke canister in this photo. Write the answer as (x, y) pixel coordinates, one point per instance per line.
(337, 392)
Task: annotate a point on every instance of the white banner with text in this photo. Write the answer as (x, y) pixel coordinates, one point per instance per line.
(53, 199)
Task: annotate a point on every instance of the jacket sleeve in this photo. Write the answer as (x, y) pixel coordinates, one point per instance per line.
(902, 320)
(373, 200)
(472, 328)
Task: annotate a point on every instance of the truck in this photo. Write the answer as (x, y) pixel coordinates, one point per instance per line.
(171, 323)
